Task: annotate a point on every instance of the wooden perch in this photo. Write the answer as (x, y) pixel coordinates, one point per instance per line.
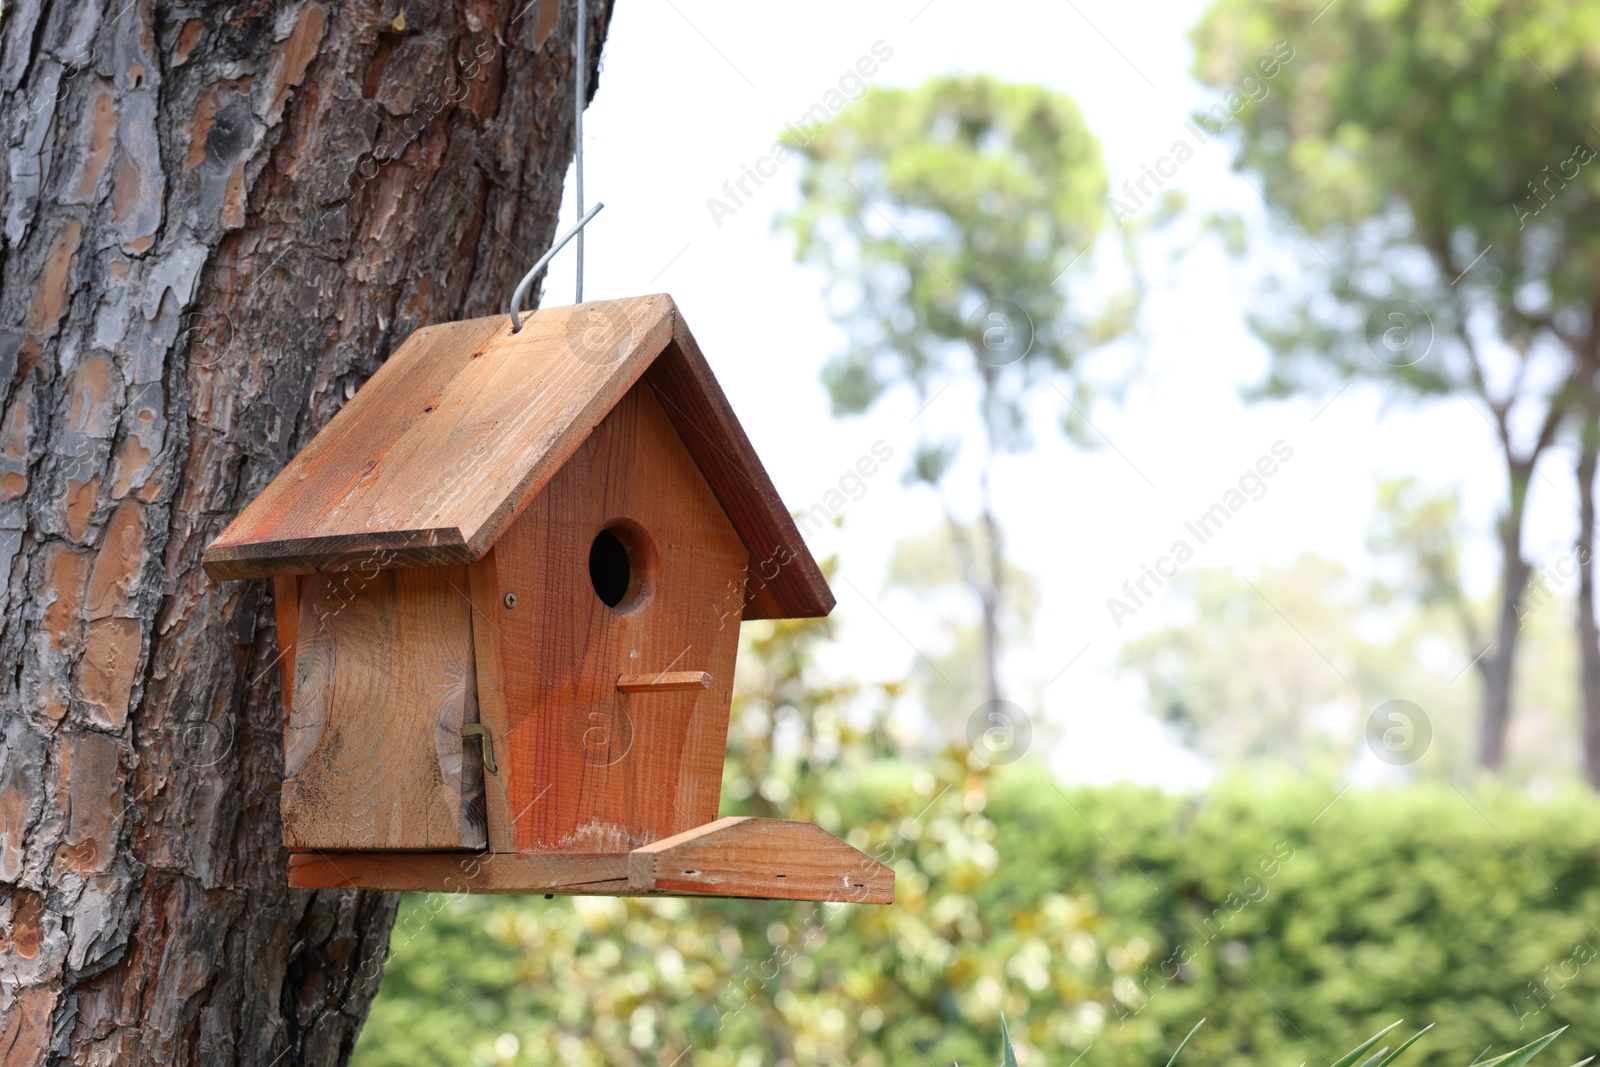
(766, 858)
(460, 872)
(770, 859)
(663, 682)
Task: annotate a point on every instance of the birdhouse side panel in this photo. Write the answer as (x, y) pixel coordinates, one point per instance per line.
(383, 681)
(625, 565)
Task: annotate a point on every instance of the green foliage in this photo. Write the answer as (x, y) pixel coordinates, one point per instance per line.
(1299, 927)
(945, 218)
(1296, 919)
(1408, 138)
(1099, 921)
(1418, 533)
(1434, 162)
(1382, 1058)
(922, 205)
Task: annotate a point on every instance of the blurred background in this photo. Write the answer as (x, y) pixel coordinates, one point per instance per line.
(1196, 405)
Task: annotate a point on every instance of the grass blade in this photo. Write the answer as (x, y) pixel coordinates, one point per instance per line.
(1009, 1058)
(1518, 1057)
(1184, 1042)
(1357, 1054)
(1372, 1060)
(1412, 1040)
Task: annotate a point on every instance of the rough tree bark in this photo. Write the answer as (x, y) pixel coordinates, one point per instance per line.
(216, 220)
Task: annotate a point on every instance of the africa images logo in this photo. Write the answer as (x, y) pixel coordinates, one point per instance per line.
(1211, 122)
(852, 85)
(1252, 485)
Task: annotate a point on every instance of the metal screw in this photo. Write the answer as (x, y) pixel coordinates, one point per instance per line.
(511, 600)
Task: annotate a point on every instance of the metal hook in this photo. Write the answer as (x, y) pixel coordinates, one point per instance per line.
(481, 732)
(580, 78)
(579, 84)
(515, 308)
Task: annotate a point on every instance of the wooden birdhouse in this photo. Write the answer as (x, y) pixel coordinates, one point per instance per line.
(509, 576)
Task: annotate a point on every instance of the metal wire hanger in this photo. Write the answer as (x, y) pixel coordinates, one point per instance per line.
(579, 80)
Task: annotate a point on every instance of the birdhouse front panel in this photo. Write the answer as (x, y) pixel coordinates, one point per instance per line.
(607, 628)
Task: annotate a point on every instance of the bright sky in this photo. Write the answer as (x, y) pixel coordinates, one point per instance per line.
(691, 91)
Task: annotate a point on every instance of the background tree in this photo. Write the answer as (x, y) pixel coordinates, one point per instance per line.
(932, 570)
(1438, 157)
(1583, 551)
(1249, 693)
(945, 218)
(214, 223)
(1240, 686)
(1416, 539)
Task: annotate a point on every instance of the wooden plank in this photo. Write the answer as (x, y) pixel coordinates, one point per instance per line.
(337, 465)
(383, 682)
(767, 858)
(784, 581)
(586, 768)
(485, 599)
(571, 404)
(663, 682)
(286, 611)
(423, 470)
(460, 872)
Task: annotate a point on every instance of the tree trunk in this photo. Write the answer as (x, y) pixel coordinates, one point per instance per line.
(989, 596)
(1497, 663)
(991, 572)
(215, 223)
(1588, 628)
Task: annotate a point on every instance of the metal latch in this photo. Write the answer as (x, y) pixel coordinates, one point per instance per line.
(478, 730)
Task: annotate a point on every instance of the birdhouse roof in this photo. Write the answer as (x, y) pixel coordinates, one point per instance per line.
(435, 457)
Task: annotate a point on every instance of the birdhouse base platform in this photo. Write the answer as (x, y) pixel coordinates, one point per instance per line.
(769, 859)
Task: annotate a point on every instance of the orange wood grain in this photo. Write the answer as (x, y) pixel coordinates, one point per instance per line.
(769, 858)
(383, 682)
(286, 612)
(460, 872)
(430, 476)
(783, 580)
(663, 682)
(303, 521)
(586, 768)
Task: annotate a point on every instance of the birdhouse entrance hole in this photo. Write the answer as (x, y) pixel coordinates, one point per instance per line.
(622, 566)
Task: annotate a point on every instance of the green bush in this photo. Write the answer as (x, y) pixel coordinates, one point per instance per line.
(1102, 919)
